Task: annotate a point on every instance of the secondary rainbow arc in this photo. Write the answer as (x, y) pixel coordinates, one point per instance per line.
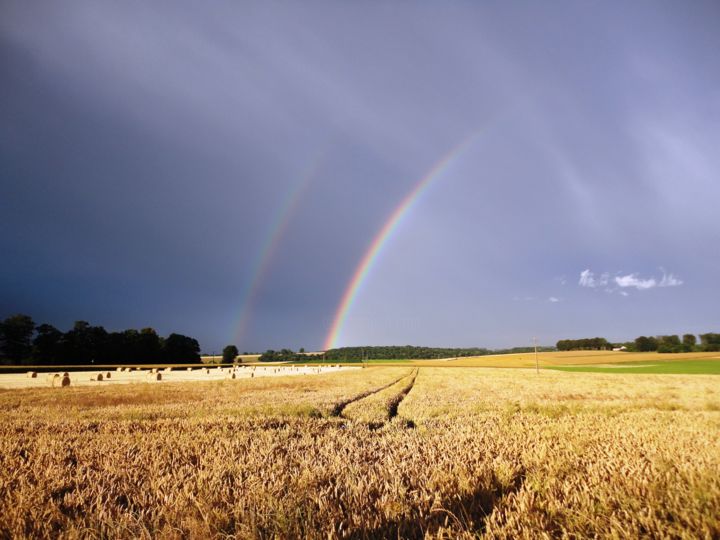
(275, 233)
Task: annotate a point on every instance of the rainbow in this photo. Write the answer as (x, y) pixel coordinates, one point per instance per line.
(275, 233)
(381, 238)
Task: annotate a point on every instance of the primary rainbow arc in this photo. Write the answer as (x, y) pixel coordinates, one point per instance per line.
(381, 238)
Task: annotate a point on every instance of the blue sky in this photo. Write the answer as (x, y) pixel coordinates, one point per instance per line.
(147, 151)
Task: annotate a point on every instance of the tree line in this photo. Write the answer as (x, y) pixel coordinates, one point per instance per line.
(21, 341)
(584, 344)
(673, 344)
(403, 352)
(662, 344)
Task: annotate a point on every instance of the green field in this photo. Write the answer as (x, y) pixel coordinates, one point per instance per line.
(679, 367)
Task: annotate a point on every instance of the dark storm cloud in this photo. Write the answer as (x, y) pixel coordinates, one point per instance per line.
(146, 148)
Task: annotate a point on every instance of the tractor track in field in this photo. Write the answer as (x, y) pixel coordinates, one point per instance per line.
(394, 403)
(340, 405)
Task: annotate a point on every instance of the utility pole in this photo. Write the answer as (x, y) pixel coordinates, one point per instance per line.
(537, 365)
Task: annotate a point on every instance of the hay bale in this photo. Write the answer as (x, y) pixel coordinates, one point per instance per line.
(118, 369)
(65, 381)
(231, 376)
(32, 374)
(99, 376)
(154, 376)
(50, 378)
(207, 371)
(189, 369)
(108, 375)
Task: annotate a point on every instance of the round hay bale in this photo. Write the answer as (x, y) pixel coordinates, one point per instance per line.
(118, 369)
(61, 381)
(207, 371)
(155, 376)
(100, 377)
(108, 375)
(232, 376)
(51, 378)
(32, 374)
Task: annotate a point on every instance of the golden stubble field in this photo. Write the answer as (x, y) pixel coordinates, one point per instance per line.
(373, 453)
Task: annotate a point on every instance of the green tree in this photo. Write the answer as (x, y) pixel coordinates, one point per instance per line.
(230, 353)
(646, 344)
(710, 342)
(16, 334)
(669, 344)
(689, 341)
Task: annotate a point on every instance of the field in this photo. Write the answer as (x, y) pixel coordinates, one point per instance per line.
(699, 362)
(18, 378)
(380, 452)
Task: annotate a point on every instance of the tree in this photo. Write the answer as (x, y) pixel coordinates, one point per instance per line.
(710, 342)
(47, 344)
(16, 337)
(646, 344)
(149, 346)
(230, 354)
(689, 341)
(84, 343)
(669, 344)
(181, 349)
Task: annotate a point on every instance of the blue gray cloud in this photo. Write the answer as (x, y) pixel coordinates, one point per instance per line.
(145, 149)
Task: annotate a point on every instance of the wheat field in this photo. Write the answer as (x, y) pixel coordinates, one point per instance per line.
(381, 452)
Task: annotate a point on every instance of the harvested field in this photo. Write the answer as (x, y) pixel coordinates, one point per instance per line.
(465, 452)
(125, 376)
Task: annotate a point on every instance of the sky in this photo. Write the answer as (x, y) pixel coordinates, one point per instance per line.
(310, 174)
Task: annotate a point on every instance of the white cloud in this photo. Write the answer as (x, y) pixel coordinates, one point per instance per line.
(624, 293)
(668, 280)
(553, 299)
(588, 279)
(627, 281)
(632, 280)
